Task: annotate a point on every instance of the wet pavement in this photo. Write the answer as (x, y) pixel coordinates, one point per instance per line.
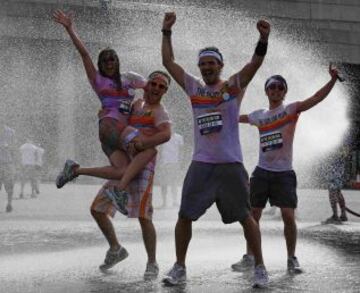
(51, 244)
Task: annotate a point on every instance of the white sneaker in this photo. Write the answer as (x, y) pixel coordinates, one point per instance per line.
(293, 265)
(113, 257)
(152, 271)
(176, 276)
(247, 262)
(261, 278)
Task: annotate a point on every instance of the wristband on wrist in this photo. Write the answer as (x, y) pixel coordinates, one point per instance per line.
(261, 48)
(166, 32)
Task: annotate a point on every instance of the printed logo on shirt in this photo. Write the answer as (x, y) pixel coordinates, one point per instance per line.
(271, 141)
(210, 123)
(204, 98)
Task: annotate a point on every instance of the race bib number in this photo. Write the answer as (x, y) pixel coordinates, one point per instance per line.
(271, 141)
(125, 107)
(209, 123)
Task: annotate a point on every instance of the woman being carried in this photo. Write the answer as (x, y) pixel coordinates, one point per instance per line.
(116, 92)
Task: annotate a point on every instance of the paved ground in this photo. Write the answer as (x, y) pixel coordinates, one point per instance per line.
(51, 244)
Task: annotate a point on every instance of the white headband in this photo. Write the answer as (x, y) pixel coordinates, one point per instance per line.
(274, 80)
(159, 75)
(210, 54)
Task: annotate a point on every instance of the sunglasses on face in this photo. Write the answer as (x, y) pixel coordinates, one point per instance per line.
(278, 86)
(159, 85)
(210, 63)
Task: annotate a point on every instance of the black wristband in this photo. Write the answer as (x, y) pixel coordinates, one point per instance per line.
(166, 32)
(261, 48)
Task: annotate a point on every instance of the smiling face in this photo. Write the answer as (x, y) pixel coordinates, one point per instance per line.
(155, 88)
(276, 91)
(210, 69)
(108, 63)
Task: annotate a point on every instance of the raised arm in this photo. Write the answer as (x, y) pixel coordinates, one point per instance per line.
(168, 59)
(246, 74)
(67, 22)
(321, 93)
(244, 119)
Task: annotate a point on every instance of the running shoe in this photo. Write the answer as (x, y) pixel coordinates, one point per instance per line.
(247, 262)
(119, 197)
(113, 257)
(176, 276)
(152, 271)
(293, 265)
(261, 278)
(67, 174)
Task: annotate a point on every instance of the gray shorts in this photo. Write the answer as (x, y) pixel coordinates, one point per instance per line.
(277, 187)
(225, 184)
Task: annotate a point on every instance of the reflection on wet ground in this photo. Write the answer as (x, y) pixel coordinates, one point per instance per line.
(327, 268)
(51, 245)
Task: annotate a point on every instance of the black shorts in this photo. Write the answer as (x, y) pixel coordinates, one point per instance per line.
(225, 184)
(277, 187)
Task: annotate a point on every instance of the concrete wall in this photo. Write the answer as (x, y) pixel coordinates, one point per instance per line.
(333, 24)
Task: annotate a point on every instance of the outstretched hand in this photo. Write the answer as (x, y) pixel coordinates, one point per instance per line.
(65, 20)
(169, 20)
(263, 27)
(333, 71)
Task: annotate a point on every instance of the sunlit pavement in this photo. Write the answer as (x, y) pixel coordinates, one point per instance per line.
(51, 244)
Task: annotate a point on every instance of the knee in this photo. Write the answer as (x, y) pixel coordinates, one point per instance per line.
(95, 214)
(183, 222)
(144, 222)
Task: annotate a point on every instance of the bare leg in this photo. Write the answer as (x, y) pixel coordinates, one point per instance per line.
(290, 231)
(119, 162)
(9, 188)
(333, 201)
(341, 201)
(256, 213)
(137, 164)
(103, 220)
(253, 238)
(106, 228)
(33, 183)
(22, 185)
(183, 233)
(149, 238)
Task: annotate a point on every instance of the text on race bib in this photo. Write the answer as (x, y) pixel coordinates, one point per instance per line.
(124, 107)
(209, 123)
(271, 141)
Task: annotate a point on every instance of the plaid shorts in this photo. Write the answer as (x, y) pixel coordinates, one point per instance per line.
(140, 200)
